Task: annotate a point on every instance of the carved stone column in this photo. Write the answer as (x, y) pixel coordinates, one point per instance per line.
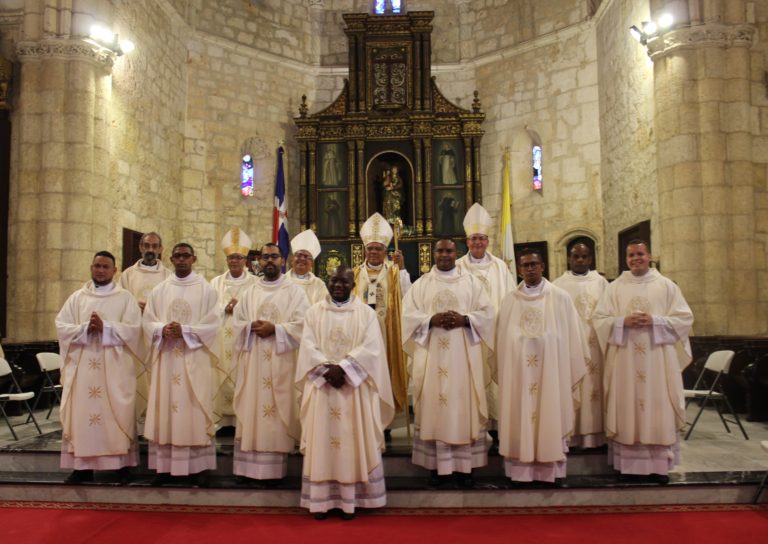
(706, 239)
(60, 159)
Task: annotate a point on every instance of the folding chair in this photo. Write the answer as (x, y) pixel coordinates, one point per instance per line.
(49, 362)
(15, 395)
(718, 362)
(764, 445)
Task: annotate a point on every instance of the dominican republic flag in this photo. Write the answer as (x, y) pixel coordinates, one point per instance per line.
(280, 212)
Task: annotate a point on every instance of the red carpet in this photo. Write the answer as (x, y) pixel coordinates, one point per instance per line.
(140, 524)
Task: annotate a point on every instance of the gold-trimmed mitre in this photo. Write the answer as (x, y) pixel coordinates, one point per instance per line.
(236, 241)
(477, 221)
(376, 229)
(307, 241)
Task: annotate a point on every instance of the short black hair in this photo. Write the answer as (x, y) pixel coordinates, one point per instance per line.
(445, 238)
(270, 244)
(637, 242)
(183, 244)
(529, 251)
(105, 253)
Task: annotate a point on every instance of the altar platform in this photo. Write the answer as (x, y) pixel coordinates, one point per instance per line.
(716, 468)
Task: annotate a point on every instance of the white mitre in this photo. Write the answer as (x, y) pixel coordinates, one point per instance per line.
(236, 241)
(376, 229)
(307, 241)
(477, 221)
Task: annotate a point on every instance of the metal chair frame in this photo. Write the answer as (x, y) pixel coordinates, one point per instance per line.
(718, 362)
(15, 394)
(48, 364)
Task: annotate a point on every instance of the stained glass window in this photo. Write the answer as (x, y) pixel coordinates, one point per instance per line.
(387, 7)
(246, 176)
(536, 156)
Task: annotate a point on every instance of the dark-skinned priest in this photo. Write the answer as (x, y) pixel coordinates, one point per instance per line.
(346, 402)
(447, 318)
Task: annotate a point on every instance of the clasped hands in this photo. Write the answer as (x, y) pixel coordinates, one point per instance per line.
(447, 320)
(334, 375)
(263, 329)
(95, 323)
(172, 330)
(638, 319)
(229, 308)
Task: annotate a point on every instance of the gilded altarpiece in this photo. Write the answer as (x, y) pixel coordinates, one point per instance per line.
(389, 143)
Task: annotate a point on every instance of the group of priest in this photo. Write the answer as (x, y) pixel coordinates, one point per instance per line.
(286, 359)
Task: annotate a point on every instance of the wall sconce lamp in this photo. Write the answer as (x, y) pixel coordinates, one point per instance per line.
(103, 38)
(651, 29)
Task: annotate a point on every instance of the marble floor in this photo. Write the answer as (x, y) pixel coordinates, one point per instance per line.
(717, 466)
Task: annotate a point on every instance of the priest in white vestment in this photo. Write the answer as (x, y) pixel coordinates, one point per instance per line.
(585, 287)
(181, 319)
(494, 276)
(139, 280)
(346, 403)
(381, 284)
(447, 318)
(642, 322)
(306, 248)
(230, 287)
(541, 360)
(268, 322)
(99, 330)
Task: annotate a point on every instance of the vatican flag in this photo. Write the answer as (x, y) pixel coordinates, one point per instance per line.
(507, 244)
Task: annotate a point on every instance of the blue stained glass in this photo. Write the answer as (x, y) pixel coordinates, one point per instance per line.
(537, 180)
(379, 7)
(246, 176)
(396, 6)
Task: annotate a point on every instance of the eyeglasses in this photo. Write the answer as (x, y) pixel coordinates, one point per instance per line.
(271, 256)
(235, 257)
(478, 238)
(530, 265)
(299, 256)
(182, 255)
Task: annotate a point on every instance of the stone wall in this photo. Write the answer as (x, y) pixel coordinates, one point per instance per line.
(547, 91)
(147, 109)
(628, 156)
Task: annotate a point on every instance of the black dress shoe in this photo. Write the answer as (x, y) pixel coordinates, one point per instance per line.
(161, 479)
(200, 480)
(434, 480)
(124, 475)
(79, 477)
(347, 517)
(465, 480)
(661, 479)
(272, 483)
(320, 516)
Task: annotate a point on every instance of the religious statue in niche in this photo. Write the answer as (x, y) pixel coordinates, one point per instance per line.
(448, 211)
(331, 167)
(392, 184)
(389, 186)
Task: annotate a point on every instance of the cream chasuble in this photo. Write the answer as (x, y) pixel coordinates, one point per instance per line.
(343, 429)
(98, 377)
(227, 288)
(447, 365)
(541, 361)
(313, 286)
(585, 290)
(644, 402)
(497, 280)
(384, 289)
(139, 280)
(266, 398)
(180, 410)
